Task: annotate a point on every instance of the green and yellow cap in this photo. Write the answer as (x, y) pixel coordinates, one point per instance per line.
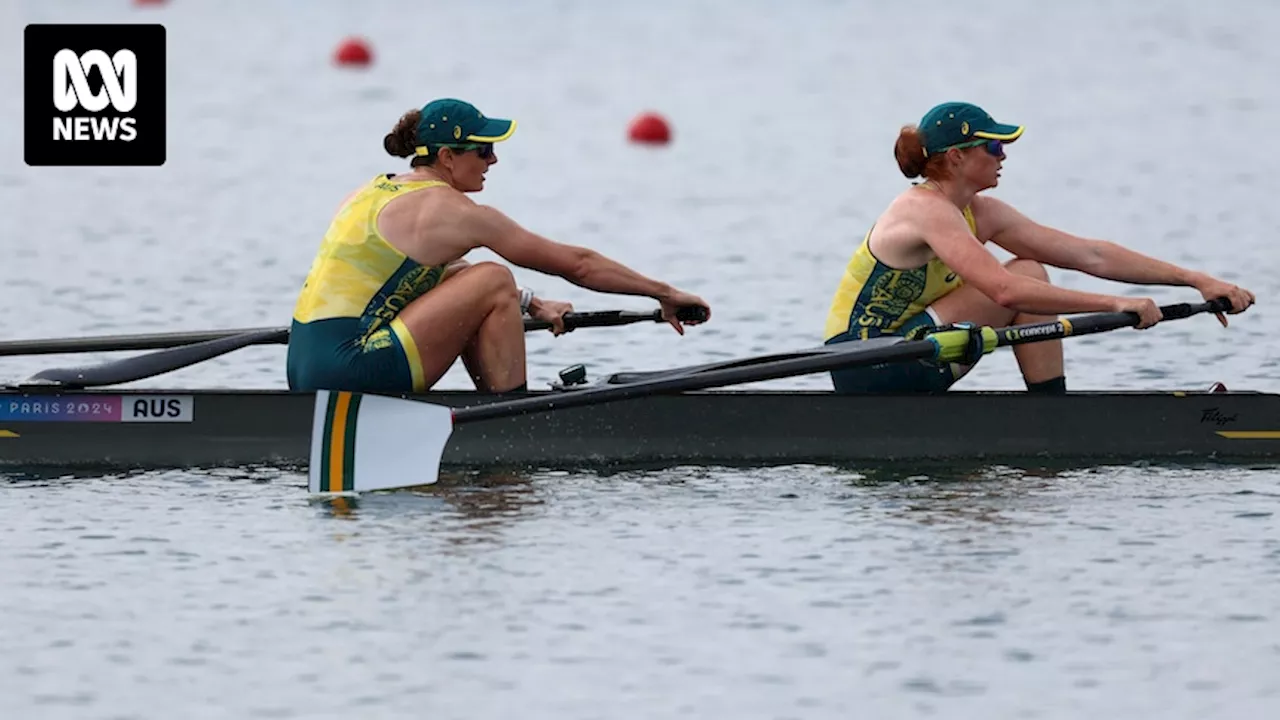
(959, 123)
(449, 121)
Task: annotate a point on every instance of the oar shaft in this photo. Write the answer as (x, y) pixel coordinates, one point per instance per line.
(150, 364)
(147, 341)
(882, 350)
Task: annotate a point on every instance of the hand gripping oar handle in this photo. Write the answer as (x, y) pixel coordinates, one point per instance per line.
(966, 344)
(1102, 322)
(610, 318)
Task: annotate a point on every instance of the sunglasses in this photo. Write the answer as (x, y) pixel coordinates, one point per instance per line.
(483, 150)
(993, 147)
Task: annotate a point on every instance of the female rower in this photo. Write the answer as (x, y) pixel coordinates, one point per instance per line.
(389, 304)
(924, 262)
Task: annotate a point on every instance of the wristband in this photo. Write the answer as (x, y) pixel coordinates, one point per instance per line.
(526, 297)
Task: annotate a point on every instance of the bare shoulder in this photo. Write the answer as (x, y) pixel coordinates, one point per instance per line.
(988, 205)
(993, 216)
(429, 225)
(449, 216)
(477, 225)
(484, 222)
(920, 210)
(900, 235)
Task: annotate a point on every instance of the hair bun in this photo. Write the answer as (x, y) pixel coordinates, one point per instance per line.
(403, 137)
(394, 145)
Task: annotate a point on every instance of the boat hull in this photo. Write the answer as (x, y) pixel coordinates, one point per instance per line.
(182, 429)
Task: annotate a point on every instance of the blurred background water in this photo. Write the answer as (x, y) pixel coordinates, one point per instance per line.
(792, 592)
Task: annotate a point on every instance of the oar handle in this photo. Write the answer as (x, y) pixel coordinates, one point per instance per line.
(1186, 310)
(609, 318)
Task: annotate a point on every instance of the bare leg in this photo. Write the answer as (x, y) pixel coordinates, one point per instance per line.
(1038, 361)
(495, 357)
(475, 313)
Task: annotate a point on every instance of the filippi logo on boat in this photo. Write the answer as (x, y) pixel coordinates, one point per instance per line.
(107, 105)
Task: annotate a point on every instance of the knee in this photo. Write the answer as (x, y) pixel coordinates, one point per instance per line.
(497, 276)
(1029, 268)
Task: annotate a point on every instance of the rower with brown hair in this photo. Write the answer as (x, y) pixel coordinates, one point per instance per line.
(924, 264)
(389, 303)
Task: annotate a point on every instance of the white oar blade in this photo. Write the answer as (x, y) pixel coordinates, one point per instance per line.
(371, 442)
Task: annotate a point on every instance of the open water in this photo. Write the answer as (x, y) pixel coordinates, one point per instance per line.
(796, 592)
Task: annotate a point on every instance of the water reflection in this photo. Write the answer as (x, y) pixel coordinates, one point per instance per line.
(52, 476)
(475, 506)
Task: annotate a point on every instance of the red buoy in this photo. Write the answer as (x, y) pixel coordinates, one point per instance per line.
(353, 51)
(651, 128)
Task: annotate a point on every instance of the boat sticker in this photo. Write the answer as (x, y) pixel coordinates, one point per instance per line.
(98, 408)
(157, 408)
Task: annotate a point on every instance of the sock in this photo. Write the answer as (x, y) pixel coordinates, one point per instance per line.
(1056, 386)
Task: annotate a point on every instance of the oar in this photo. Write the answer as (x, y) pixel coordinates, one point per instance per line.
(143, 341)
(160, 341)
(614, 318)
(117, 372)
(369, 442)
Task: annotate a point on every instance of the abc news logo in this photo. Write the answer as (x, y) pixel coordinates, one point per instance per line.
(71, 90)
(107, 105)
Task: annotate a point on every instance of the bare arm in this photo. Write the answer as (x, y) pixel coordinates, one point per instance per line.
(1026, 238)
(581, 266)
(948, 236)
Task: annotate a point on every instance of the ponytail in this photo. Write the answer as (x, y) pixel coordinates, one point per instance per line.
(909, 151)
